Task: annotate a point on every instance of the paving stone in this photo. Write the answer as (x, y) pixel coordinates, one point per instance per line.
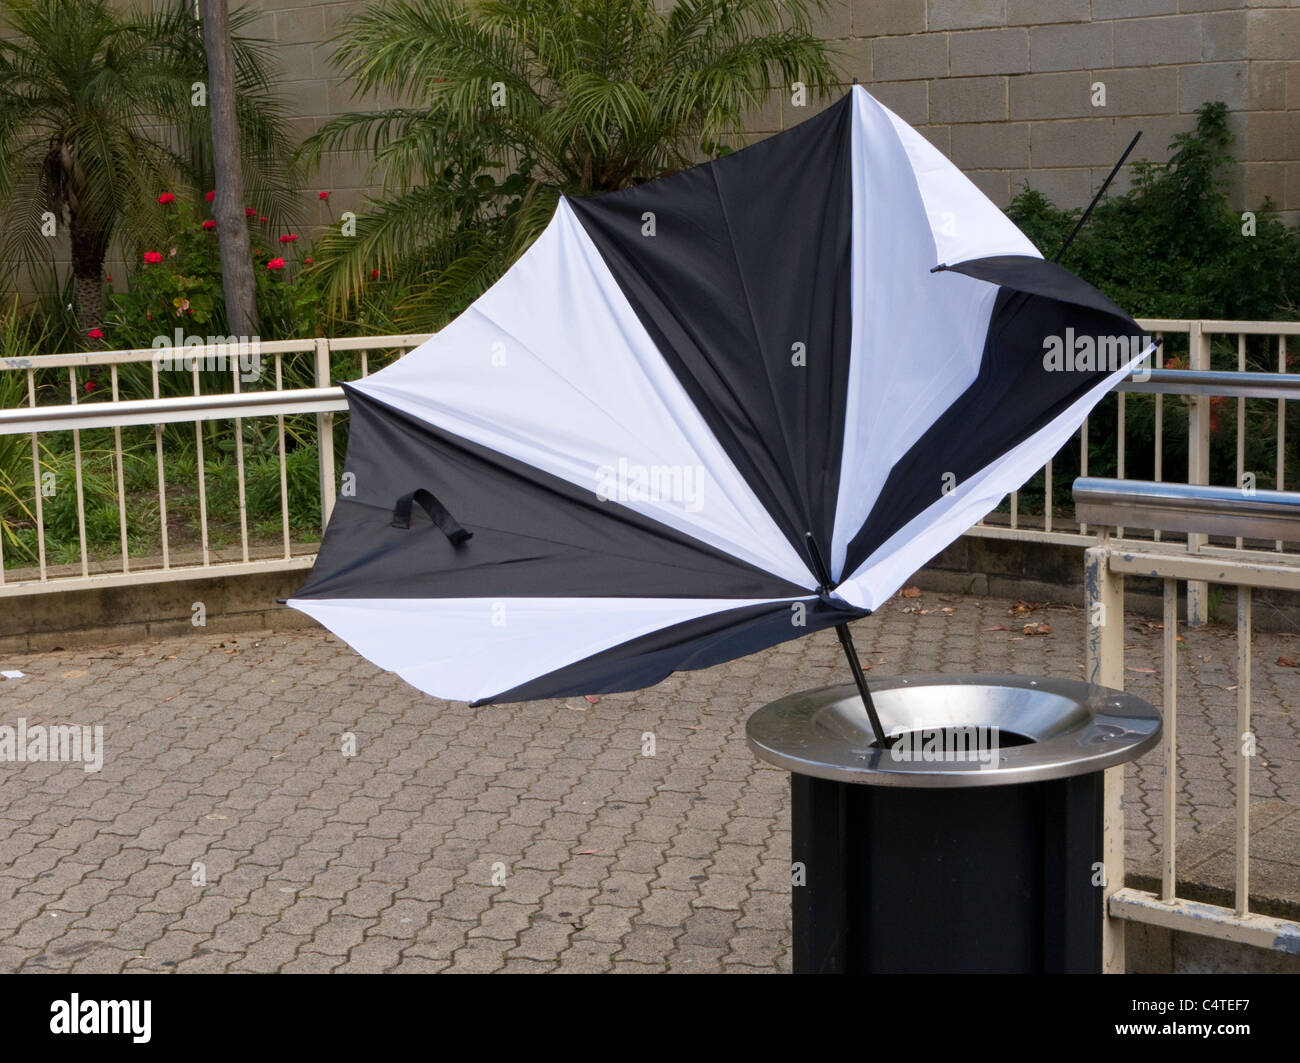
(613, 861)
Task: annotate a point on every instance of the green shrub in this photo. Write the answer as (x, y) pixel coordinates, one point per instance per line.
(1172, 246)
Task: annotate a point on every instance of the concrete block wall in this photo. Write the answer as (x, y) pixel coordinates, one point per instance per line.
(1003, 87)
(1009, 88)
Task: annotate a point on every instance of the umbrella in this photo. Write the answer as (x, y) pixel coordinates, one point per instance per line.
(704, 415)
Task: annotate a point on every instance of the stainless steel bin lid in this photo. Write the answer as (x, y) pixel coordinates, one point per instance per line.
(955, 730)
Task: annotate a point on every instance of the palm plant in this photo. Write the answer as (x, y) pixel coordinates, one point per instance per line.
(98, 115)
(514, 103)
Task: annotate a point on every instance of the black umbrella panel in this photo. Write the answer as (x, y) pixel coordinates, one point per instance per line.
(707, 414)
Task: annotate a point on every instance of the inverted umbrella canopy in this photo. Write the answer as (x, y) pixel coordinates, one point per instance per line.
(707, 414)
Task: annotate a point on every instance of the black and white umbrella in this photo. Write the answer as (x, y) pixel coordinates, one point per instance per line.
(704, 415)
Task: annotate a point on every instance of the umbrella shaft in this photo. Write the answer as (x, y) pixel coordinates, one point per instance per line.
(846, 640)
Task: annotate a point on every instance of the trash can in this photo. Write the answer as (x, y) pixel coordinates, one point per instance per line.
(973, 843)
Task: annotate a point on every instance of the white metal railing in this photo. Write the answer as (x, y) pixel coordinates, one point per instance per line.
(1199, 338)
(106, 409)
(1113, 504)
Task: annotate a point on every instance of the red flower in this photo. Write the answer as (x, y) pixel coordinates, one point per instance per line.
(107, 277)
(307, 260)
(374, 274)
(152, 257)
(90, 386)
(257, 251)
(249, 212)
(209, 224)
(211, 196)
(96, 334)
(288, 238)
(323, 195)
(166, 197)
(261, 219)
(275, 263)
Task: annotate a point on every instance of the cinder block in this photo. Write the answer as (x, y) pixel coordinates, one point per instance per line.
(853, 60)
(984, 52)
(1271, 136)
(1293, 86)
(302, 26)
(1039, 12)
(871, 18)
(991, 146)
(304, 98)
(1077, 142)
(1070, 189)
(996, 184)
(1273, 34)
(1261, 181)
(1266, 88)
(1208, 82)
(1137, 91)
(938, 135)
(296, 61)
(923, 55)
(834, 23)
(1157, 41)
(964, 14)
(1085, 46)
(1051, 96)
(336, 13)
(907, 99)
(1158, 133)
(1216, 5)
(1132, 8)
(968, 99)
(1223, 35)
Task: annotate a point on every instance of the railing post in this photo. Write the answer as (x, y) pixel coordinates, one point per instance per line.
(1104, 665)
(325, 435)
(1198, 464)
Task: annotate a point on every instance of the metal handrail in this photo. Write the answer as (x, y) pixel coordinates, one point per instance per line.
(1227, 383)
(1195, 508)
(169, 410)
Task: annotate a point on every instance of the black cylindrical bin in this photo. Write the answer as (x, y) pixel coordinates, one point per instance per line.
(973, 844)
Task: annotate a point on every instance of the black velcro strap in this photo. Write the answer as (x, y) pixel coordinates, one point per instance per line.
(445, 522)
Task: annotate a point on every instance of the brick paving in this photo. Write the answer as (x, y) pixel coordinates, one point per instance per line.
(228, 831)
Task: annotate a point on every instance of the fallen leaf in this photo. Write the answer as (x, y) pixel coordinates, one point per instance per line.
(1144, 671)
(947, 610)
(998, 627)
(1044, 629)
(575, 708)
(912, 592)
(1288, 662)
(587, 852)
(592, 698)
